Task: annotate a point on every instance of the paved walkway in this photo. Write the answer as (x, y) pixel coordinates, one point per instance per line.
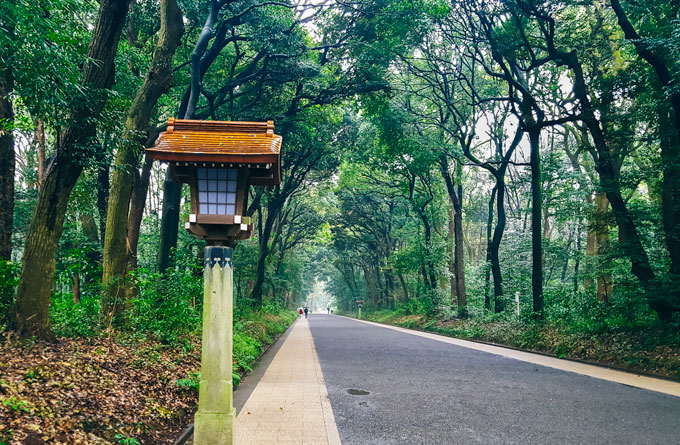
(426, 389)
(290, 404)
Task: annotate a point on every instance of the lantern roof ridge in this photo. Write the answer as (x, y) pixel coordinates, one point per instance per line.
(207, 126)
(248, 144)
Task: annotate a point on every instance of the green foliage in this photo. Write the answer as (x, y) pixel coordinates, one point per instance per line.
(9, 279)
(16, 404)
(125, 440)
(191, 383)
(168, 307)
(246, 350)
(71, 319)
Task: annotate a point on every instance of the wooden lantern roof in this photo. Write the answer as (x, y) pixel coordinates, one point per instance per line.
(222, 143)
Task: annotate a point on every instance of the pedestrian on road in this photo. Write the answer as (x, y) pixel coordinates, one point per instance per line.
(306, 310)
(329, 310)
(300, 311)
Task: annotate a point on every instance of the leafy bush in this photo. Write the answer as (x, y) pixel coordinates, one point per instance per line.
(9, 279)
(191, 383)
(71, 319)
(168, 306)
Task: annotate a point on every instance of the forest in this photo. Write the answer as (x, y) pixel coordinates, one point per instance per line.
(507, 171)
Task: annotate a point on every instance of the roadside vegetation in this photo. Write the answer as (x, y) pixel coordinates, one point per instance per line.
(135, 384)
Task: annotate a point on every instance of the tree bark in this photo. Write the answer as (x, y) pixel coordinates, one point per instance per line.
(76, 287)
(172, 197)
(137, 202)
(536, 220)
(452, 253)
(577, 259)
(35, 285)
(89, 226)
(591, 248)
(40, 135)
(499, 304)
(273, 210)
(7, 161)
(456, 196)
(604, 280)
(670, 192)
(487, 265)
(157, 82)
(103, 192)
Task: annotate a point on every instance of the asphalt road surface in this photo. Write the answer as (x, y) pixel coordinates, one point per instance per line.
(422, 391)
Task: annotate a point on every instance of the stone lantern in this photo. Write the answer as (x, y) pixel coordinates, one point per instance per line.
(219, 161)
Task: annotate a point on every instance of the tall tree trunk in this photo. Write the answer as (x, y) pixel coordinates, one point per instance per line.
(7, 160)
(273, 210)
(494, 247)
(404, 287)
(157, 82)
(103, 191)
(137, 202)
(536, 219)
(35, 285)
(487, 264)
(604, 280)
(591, 248)
(40, 135)
(429, 270)
(456, 196)
(577, 259)
(452, 253)
(89, 226)
(172, 198)
(461, 292)
(76, 287)
(670, 194)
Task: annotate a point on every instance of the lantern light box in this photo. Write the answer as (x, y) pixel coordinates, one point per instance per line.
(220, 161)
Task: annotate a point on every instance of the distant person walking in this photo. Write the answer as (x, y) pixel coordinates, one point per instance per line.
(300, 311)
(329, 310)
(306, 311)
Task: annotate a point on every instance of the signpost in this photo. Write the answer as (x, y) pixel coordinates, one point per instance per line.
(219, 161)
(360, 303)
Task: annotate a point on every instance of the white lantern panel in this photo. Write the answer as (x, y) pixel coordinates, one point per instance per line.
(217, 190)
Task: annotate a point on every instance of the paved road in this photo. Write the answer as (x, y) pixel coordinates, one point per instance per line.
(427, 392)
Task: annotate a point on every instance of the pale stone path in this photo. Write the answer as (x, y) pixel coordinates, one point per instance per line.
(290, 403)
